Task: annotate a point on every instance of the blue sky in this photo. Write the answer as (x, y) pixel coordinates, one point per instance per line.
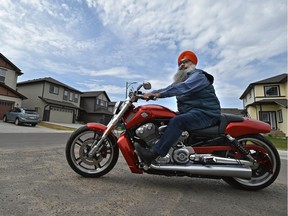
(102, 44)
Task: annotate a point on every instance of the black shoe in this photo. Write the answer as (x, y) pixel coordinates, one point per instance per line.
(147, 155)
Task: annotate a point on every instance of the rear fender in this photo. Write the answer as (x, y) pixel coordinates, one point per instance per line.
(248, 126)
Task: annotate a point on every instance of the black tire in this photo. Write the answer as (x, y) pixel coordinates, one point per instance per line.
(78, 146)
(265, 173)
(5, 118)
(33, 125)
(17, 122)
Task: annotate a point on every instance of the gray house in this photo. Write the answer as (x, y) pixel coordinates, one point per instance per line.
(9, 97)
(96, 107)
(53, 100)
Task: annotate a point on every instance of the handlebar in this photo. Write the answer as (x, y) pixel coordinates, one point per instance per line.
(141, 96)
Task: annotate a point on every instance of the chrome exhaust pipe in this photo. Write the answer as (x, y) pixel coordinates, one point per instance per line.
(239, 171)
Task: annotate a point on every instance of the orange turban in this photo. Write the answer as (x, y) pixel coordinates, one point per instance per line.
(188, 55)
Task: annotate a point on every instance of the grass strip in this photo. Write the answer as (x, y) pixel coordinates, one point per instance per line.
(56, 127)
(279, 143)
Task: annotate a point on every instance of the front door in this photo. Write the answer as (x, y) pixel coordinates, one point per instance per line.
(269, 117)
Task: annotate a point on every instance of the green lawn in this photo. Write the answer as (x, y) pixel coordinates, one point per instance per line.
(54, 126)
(279, 143)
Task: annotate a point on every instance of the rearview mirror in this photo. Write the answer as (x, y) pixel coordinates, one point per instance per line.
(147, 85)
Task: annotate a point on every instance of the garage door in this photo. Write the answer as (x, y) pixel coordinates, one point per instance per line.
(5, 106)
(61, 115)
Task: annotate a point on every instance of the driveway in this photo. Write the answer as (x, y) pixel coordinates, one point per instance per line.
(12, 128)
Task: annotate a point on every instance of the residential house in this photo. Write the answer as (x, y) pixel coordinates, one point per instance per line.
(266, 100)
(96, 107)
(53, 100)
(9, 97)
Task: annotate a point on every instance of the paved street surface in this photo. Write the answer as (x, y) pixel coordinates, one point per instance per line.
(35, 179)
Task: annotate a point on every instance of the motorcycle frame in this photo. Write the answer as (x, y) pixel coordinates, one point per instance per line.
(134, 116)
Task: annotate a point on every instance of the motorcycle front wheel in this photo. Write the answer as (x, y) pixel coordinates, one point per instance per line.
(267, 165)
(78, 146)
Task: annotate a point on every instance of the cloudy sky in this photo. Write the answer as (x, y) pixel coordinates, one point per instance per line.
(102, 44)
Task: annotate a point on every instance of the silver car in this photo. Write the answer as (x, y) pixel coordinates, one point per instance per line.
(22, 116)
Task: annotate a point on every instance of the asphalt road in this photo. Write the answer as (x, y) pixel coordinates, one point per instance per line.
(35, 179)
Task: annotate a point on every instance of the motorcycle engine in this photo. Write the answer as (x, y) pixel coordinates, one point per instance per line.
(149, 133)
(179, 153)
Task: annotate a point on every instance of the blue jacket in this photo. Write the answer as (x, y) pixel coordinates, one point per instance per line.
(196, 92)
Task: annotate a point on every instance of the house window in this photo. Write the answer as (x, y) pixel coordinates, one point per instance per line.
(264, 116)
(280, 117)
(271, 91)
(54, 89)
(2, 75)
(71, 96)
(269, 117)
(102, 103)
(65, 95)
(76, 96)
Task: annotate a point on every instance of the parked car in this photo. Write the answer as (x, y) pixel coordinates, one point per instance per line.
(22, 116)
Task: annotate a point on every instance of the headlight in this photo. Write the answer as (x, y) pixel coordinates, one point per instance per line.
(118, 107)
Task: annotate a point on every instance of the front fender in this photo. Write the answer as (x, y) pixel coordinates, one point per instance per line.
(99, 128)
(248, 126)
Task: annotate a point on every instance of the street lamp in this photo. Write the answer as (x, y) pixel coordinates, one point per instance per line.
(127, 86)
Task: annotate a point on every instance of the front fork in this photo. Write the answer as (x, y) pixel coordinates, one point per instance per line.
(97, 144)
(116, 118)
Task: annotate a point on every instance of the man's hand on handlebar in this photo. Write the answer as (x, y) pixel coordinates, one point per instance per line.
(151, 96)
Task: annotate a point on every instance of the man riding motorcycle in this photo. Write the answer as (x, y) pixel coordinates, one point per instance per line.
(197, 103)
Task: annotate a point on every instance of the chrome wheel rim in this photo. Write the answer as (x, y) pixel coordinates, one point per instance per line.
(259, 175)
(80, 148)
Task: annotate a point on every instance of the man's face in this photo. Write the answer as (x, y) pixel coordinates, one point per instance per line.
(184, 64)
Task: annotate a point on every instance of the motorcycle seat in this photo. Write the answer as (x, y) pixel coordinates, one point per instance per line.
(220, 127)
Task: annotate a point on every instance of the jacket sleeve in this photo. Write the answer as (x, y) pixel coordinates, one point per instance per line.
(161, 90)
(195, 82)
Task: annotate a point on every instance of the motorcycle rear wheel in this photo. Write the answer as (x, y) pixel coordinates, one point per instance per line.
(267, 170)
(77, 149)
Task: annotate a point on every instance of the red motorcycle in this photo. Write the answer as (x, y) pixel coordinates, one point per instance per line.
(233, 150)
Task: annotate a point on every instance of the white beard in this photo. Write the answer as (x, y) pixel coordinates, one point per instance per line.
(181, 75)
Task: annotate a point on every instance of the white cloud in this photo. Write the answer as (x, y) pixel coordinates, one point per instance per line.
(121, 72)
(95, 85)
(127, 40)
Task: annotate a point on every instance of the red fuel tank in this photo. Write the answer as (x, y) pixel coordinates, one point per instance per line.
(145, 113)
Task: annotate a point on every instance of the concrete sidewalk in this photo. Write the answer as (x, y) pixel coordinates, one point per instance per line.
(71, 125)
(283, 154)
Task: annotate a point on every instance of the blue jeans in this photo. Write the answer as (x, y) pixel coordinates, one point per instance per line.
(191, 120)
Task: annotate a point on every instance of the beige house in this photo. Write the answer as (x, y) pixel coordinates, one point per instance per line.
(9, 97)
(53, 100)
(266, 100)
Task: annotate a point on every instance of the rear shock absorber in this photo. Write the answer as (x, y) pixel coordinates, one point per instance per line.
(240, 147)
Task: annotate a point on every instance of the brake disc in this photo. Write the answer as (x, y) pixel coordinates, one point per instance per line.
(83, 153)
